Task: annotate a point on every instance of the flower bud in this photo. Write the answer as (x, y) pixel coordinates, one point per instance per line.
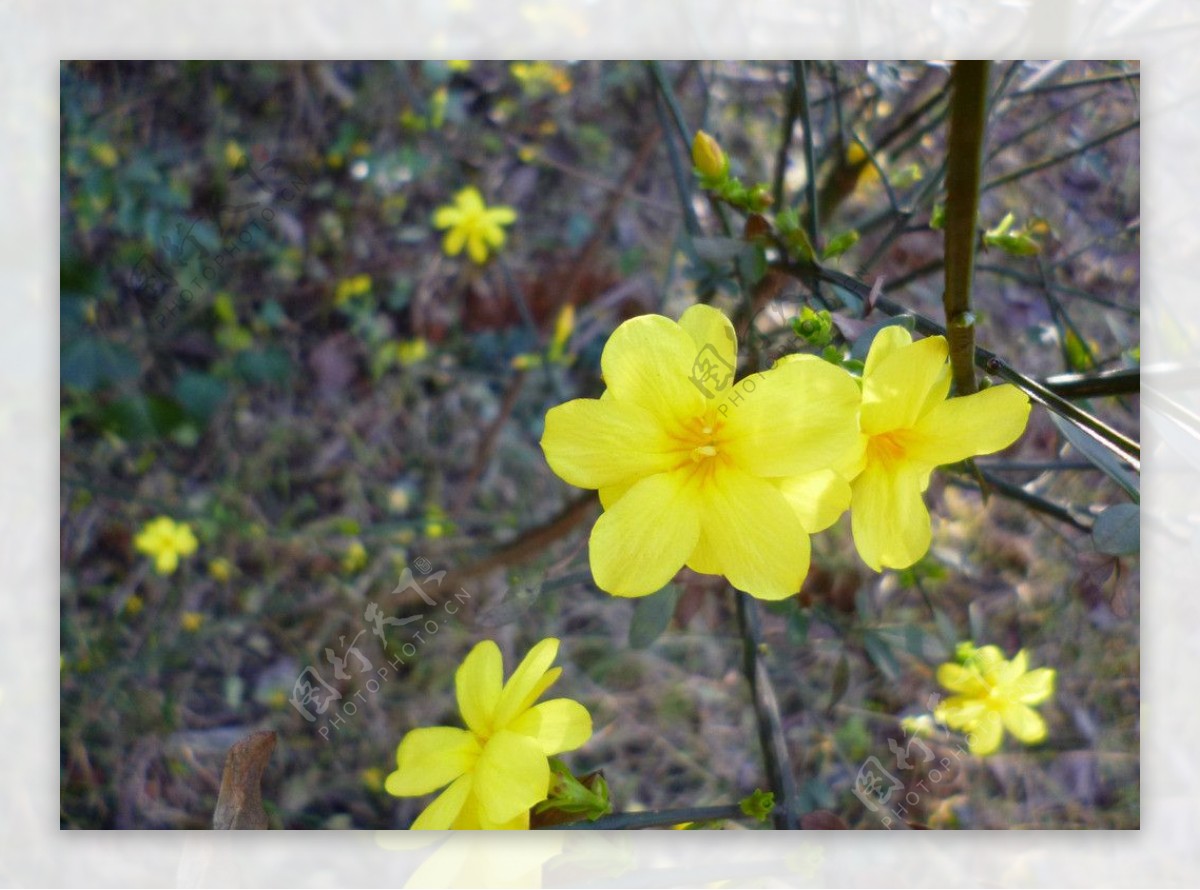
(707, 156)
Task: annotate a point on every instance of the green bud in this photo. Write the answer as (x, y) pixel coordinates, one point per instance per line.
(937, 219)
(758, 805)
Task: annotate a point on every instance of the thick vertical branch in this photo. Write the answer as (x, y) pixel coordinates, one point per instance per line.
(964, 157)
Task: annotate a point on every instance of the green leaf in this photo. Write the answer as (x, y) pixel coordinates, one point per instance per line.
(270, 365)
(651, 615)
(840, 244)
(1117, 531)
(881, 653)
(1104, 459)
(90, 363)
(200, 394)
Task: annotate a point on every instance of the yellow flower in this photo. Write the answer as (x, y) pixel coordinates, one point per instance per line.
(911, 428)
(355, 558)
(691, 467)
(166, 541)
(473, 224)
(993, 695)
(498, 767)
(220, 569)
(410, 352)
(352, 287)
(708, 157)
(191, 621)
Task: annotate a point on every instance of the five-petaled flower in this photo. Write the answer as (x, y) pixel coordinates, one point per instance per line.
(472, 224)
(911, 427)
(994, 694)
(498, 767)
(166, 541)
(694, 469)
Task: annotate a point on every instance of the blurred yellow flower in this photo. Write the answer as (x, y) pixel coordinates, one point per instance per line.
(994, 694)
(191, 621)
(235, 155)
(689, 465)
(104, 154)
(540, 78)
(459, 65)
(351, 287)
(134, 605)
(220, 569)
(355, 558)
(472, 224)
(498, 767)
(166, 541)
(410, 352)
(911, 427)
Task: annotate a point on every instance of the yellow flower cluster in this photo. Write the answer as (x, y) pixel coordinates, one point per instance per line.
(731, 478)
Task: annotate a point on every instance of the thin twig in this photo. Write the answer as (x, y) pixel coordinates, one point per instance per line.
(1058, 159)
(766, 709)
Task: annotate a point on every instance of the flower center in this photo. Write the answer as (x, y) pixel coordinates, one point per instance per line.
(700, 441)
(886, 448)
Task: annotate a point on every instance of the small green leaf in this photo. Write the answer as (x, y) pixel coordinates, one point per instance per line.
(1117, 531)
(1099, 455)
(200, 394)
(840, 244)
(90, 363)
(651, 615)
(758, 804)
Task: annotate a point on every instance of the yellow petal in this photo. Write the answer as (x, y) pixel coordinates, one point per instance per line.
(886, 341)
(712, 332)
(445, 217)
(896, 389)
(1025, 723)
(888, 518)
(984, 738)
(818, 498)
(704, 558)
(982, 423)
(597, 443)
(478, 683)
(642, 540)
(648, 361)
(453, 243)
(511, 776)
(957, 678)
(518, 691)
(166, 562)
(493, 236)
(501, 215)
(795, 418)
(754, 535)
(1034, 687)
(429, 758)
(445, 808)
(610, 494)
(960, 711)
(560, 724)
(469, 200)
(476, 248)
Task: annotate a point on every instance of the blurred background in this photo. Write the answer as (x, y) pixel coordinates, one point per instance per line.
(263, 338)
